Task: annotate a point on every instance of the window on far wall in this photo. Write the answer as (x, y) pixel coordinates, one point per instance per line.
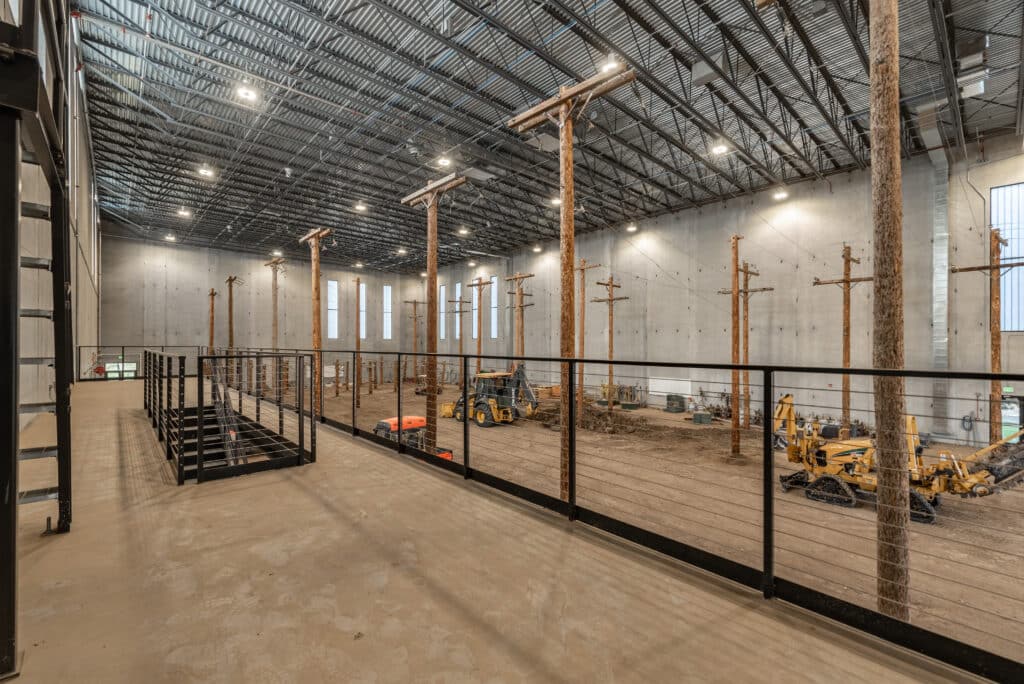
(362, 311)
(332, 309)
(494, 307)
(1008, 219)
(442, 296)
(458, 316)
(387, 312)
(476, 307)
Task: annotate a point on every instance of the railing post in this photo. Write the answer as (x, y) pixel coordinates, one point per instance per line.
(355, 394)
(467, 471)
(280, 395)
(238, 380)
(121, 364)
(158, 418)
(320, 383)
(312, 429)
(181, 420)
(400, 447)
(200, 411)
(167, 407)
(259, 386)
(572, 440)
(145, 380)
(768, 502)
(300, 379)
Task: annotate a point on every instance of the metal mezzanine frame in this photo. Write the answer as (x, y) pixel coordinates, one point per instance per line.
(33, 115)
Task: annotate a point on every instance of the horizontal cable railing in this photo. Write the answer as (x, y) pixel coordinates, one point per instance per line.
(783, 497)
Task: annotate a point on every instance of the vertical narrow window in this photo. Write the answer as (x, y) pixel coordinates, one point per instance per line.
(387, 311)
(332, 309)
(458, 316)
(476, 307)
(1007, 216)
(494, 307)
(442, 296)
(362, 311)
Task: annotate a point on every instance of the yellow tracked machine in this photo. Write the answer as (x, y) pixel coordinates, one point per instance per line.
(838, 471)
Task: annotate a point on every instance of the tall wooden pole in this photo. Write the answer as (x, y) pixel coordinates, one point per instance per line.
(209, 349)
(748, 271)
(610, 300)
(995, 335)
(846, 282)
(569, 102)
(479, 284)
(519, 306)
(213, 294)
(313, 238)
(735, 441)
(358, 369)
(994, 268)
(275, 265)
(430, 196)
(459, 310)
(415, 316)
(893, 575)
(581, 337)
(231, 312)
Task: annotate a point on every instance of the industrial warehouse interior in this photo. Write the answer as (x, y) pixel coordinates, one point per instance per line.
(512, 340)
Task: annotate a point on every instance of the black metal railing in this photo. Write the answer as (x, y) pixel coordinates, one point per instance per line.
(225, 421)
(657, 464)
(125, 362)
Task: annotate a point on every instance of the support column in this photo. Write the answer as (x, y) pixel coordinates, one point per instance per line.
(313, 238)
(581, 338)
(893, 573)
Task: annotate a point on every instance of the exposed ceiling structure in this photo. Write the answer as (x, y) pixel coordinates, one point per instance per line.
(244, 123)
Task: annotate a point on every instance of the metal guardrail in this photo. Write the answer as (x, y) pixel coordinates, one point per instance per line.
(678, 498)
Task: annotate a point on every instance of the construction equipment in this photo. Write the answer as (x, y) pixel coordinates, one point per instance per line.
(414, 433)
(497, 397)
(836, 472)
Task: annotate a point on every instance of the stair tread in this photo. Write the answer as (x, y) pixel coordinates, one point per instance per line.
(36, 360)
(36, 262)
(31, 453)
(35, 210)
(36, 313)
(37, 407)
(36, 495)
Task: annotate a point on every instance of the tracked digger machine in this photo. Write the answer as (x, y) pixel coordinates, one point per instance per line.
(840, 471)
(496, 398)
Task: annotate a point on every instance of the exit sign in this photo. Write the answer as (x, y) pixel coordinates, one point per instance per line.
(1007, 390)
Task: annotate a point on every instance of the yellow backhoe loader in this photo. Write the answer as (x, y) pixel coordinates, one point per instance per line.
(837, 471)
(496, 398)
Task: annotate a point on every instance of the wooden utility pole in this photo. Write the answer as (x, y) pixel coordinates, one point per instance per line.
(610, 299)
(313, 238)
(995, 328)
(461, 331)
(415, 316)
(429, 196)
(520, 304)
(275, 266)
(734, 292)
(893, 512)
(231, 312)
(209, 349)
(741, 331)
(562, 109)
(581, 337)
(846, 282)
(479, 284)
(358, 364)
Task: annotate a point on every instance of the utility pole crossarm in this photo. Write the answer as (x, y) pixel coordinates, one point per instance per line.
(433, 189)
(593, 87)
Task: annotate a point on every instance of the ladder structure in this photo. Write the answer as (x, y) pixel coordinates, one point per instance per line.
(33, 127)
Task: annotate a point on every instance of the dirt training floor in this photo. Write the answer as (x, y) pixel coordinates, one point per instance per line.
(674, 478)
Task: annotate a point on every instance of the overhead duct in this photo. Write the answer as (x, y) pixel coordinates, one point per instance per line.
(928, 125)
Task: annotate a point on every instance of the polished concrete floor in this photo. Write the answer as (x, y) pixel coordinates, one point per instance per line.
(367, 567)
